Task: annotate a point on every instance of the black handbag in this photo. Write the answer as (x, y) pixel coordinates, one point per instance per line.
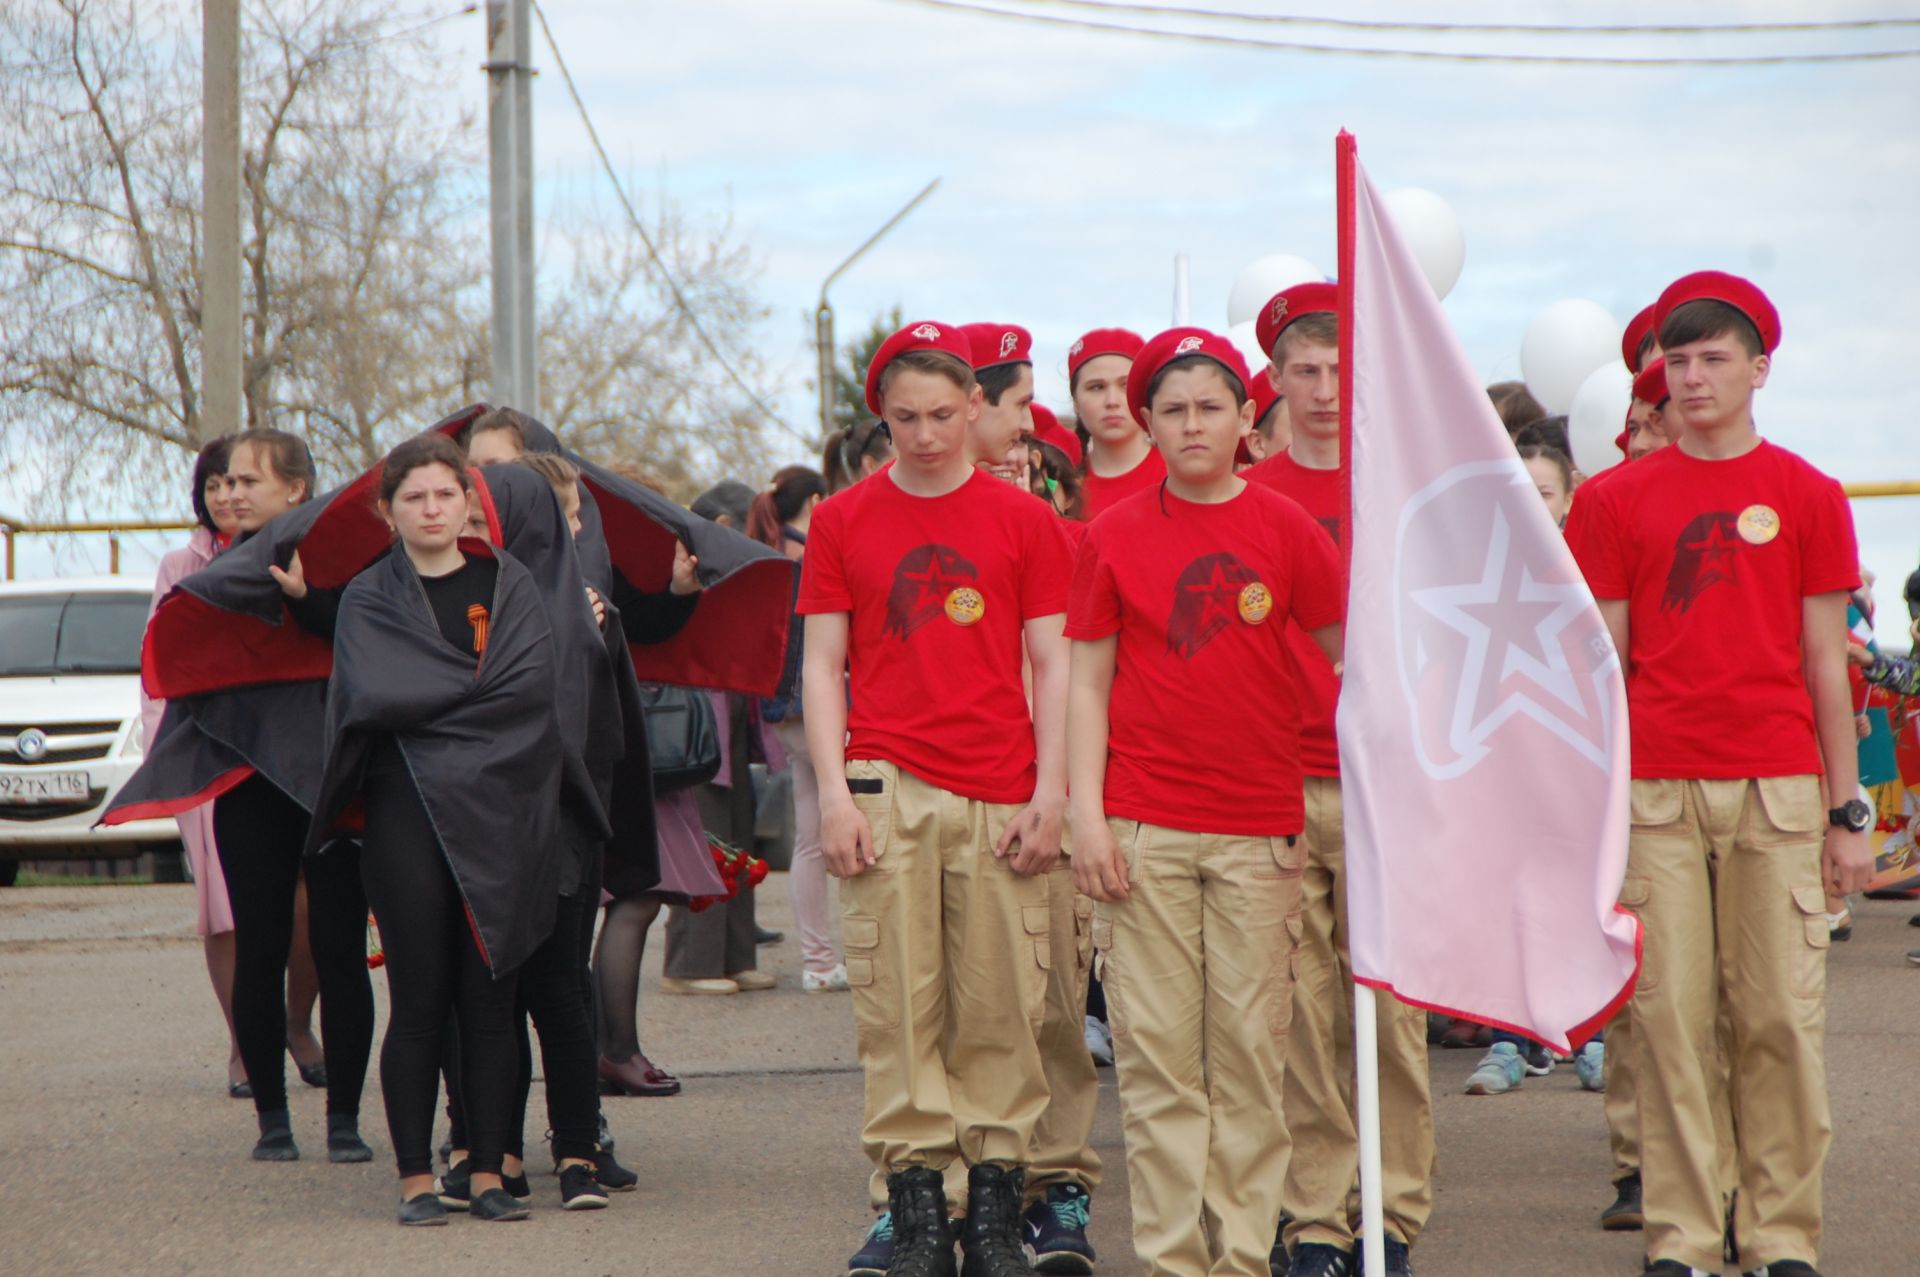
(682, 737)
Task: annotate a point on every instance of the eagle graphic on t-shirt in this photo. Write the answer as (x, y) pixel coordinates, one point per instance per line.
(927, 574)
(1706, 553)
(1206, 599)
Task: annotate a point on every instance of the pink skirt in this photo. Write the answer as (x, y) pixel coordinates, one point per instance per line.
(686, 862)
(209, 884)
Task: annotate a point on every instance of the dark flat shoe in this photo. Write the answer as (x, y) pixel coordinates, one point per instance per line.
(636, 1076)
(497, 1205)
(314, 1075)
(422, 1210)
(239, 1090)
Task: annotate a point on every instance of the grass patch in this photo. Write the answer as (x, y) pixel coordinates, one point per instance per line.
(35, 878)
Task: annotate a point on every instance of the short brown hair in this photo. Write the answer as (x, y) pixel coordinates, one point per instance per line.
(934, 361)
(1322, 326)
(1706, 319)
(1515, 404)
(432, 448)
(1552, 456)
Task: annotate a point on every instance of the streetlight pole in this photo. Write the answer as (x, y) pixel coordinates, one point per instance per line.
(823, 316)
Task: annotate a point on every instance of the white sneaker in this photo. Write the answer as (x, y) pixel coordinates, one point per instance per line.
(1099, 1042)
(834, 981)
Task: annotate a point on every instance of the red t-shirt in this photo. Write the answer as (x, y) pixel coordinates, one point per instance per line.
(1714, 559)
(1098, 495)
(1320, 495)
(1204, 720)
(938, 589)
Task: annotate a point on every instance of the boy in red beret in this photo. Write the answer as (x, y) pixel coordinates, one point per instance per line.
(1723, 566)
(1002, 358)
(1189, 844)
(941, 800)
(1299, 329)
(1120, 460)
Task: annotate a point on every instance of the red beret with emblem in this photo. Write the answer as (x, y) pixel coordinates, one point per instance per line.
(924, 334)
(1639, 328)
(998, 344)
(1102, 341)
(1047, 429)
(1290, 304)
(1178, 343)
(1650, 385)
(1715, 285)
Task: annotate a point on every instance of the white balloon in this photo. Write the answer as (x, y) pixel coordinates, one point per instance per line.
(1261, 278)
(1432, 230)
(1564, 344)
(1598, 415)
(1247, 341)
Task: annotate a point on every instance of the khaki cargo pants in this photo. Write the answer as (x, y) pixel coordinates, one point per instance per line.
(1199, 997)
(948, 952)
(1324, 1166)
(1725, 875)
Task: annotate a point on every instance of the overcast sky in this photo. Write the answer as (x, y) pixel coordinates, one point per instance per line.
(1075, 164)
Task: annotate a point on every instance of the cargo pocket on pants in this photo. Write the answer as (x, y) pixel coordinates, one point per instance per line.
(1082, 934)
(873, 1009)
(1280, 991)
(1656, 804)
(1634, 893)
(1810, 959)
(1103, 949)
(1792, 812)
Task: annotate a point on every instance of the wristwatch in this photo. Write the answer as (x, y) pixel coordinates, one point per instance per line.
(1853, 815)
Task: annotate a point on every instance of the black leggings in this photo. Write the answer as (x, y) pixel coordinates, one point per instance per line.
(553, 993)
(260, 832)
(434, 971)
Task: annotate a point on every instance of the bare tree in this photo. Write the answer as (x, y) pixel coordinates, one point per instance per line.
(365, 262)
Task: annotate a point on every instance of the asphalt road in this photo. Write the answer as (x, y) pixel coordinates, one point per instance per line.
(121, 1153)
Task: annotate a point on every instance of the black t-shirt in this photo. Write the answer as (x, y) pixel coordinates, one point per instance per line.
(462, 602)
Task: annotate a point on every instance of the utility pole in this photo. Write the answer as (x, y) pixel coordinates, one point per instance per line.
(221, 406)
(823, 315)
(516, 381)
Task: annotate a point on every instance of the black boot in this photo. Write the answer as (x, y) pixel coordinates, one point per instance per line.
(276, 1138)
(990, 1241)
(922, 1245)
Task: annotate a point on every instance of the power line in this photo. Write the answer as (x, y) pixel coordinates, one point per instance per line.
(1483, 28)
(1424, 55)
(659, 263)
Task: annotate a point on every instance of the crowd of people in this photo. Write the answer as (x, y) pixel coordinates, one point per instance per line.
(1058, 702)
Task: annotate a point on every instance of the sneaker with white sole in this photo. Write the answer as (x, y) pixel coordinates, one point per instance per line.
(1099, 1042)
(579, 1190)
(1590, 1065)
(1500, 1071)
(834, 981)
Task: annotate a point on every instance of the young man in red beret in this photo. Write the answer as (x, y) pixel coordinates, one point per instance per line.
(941, 799)
(1272, 428)
(1063, 1170)
(1299, 329)
(1120, 459)
(1723, 566)
(1186, 804)
(1002, 357)
(1646, 422)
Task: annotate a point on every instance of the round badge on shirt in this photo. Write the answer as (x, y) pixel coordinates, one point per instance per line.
(1256, 602)
(965, 606)
(1758, 524)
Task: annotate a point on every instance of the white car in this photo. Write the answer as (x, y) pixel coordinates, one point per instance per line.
(70, 721)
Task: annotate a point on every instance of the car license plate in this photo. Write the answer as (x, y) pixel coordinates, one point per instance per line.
(43, 787)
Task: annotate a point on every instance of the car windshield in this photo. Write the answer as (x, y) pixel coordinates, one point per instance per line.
(71, 634)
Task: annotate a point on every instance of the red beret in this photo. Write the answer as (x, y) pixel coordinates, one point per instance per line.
(998, 344)
(1637, 330)
(1047, 429)
(1265, 397)
(1650, 385)
(1178, 343)
(1102, 341)
(1290, 304)
(923, 335)
(1713, 285)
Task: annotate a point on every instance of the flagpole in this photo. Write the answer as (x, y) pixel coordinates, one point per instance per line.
(1366, 1032)
(1182, 292)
